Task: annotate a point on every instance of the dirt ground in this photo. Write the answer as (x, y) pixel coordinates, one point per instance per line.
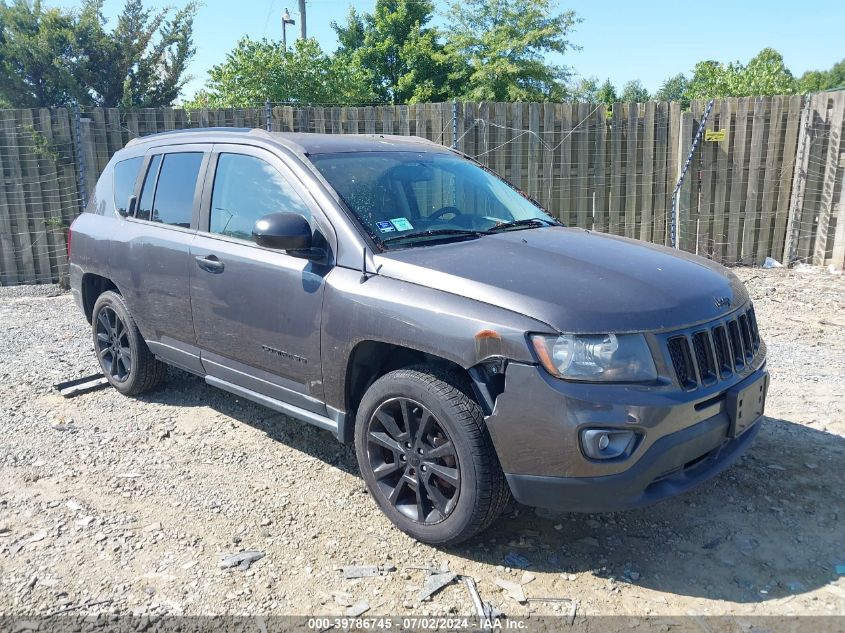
(114, 505)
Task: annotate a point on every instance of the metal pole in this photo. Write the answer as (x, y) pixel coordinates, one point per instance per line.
(286, 19)
(81, 168)
(302, 19)
(268, 118)
(454, 124)
(695, 141)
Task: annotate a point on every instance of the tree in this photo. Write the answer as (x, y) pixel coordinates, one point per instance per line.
(36, 56)
(350, 36)
(142, 62)
(818, 80)
(764, 75)
(400, 56)
(53, 57)
(674, 89)
(634, 92)
(585, 90)
(607, 94)
(430, 70)
(259, 69)
(505, 43)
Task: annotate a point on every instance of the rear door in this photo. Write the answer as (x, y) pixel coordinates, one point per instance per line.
(151, 258)
(257, 311)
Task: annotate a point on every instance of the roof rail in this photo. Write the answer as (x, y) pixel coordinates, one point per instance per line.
(192, 130)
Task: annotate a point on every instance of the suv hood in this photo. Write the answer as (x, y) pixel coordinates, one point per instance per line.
(574, 280)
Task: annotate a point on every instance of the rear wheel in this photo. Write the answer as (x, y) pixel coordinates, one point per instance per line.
(124, 357)
(426, 457)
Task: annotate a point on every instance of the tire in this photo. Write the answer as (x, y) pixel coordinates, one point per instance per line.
(136, 370)
(450, 437)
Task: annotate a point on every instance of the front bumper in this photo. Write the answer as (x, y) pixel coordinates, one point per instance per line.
(684, 439)
(673, 465)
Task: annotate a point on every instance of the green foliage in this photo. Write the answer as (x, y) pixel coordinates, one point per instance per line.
(607, 94)
(258, 69)
(675, 89)
(50, 57)
(401, 57)
(585, 90)
(351, 35)
(502, 47)
(142, 62)
(818, 80)
(634, 92)
(41, 145)
(765, 74)
(36, 55)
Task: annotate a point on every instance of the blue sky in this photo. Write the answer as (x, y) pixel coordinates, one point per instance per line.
(648, 40)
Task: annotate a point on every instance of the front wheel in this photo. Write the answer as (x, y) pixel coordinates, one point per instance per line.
(426, 457)
(124, 357)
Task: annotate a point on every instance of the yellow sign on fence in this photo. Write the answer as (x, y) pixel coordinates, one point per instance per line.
(715, 135)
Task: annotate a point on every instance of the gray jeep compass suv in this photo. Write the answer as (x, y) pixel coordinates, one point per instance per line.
(401, 296)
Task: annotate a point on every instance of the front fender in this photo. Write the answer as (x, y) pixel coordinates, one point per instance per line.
(436, 322)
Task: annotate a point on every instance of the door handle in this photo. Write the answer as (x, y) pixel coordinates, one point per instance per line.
(210, 263)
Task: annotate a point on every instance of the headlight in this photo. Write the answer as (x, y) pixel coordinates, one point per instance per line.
(600, 357)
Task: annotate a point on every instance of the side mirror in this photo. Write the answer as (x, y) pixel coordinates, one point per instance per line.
(130, 207)
(288, 232)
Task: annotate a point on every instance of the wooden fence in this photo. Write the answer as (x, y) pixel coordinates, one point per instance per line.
(765, 180)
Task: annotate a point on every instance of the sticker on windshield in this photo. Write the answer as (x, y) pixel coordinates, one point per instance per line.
(402, 224)
(385, 227)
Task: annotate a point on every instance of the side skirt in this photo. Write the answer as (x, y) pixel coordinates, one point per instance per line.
(323, 422)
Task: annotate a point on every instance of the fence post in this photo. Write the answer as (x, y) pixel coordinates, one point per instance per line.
(268, 116)
(675, 206)
(827, 206)
(81, 168)
(799, 180)
(454, 123)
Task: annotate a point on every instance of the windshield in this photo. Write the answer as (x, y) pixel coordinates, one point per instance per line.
(412, 198)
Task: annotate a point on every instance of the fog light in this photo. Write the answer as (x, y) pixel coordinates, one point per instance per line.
(607, 443)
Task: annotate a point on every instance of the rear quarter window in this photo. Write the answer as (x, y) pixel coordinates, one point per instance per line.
(125, 175)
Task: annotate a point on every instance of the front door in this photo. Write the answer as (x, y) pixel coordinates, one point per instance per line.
(256, 311)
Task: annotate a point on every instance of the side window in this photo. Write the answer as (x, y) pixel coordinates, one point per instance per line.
(125, 174)
(174, 195)
(145, 205)
(245, 189)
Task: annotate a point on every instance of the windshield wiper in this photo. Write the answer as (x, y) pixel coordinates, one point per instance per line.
(527, 223)
(434, 232)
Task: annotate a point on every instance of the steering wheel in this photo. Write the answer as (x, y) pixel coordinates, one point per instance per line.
(445, 211)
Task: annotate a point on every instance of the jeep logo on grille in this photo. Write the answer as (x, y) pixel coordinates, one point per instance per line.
(722, 302)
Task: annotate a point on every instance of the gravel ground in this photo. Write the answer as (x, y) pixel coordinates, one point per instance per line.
(115, 505)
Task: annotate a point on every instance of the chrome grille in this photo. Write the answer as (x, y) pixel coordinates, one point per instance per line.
(716, 352)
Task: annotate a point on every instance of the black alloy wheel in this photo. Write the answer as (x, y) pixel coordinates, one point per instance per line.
(426, 456)
(414, 460)
(113, 344)
(124, 357)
